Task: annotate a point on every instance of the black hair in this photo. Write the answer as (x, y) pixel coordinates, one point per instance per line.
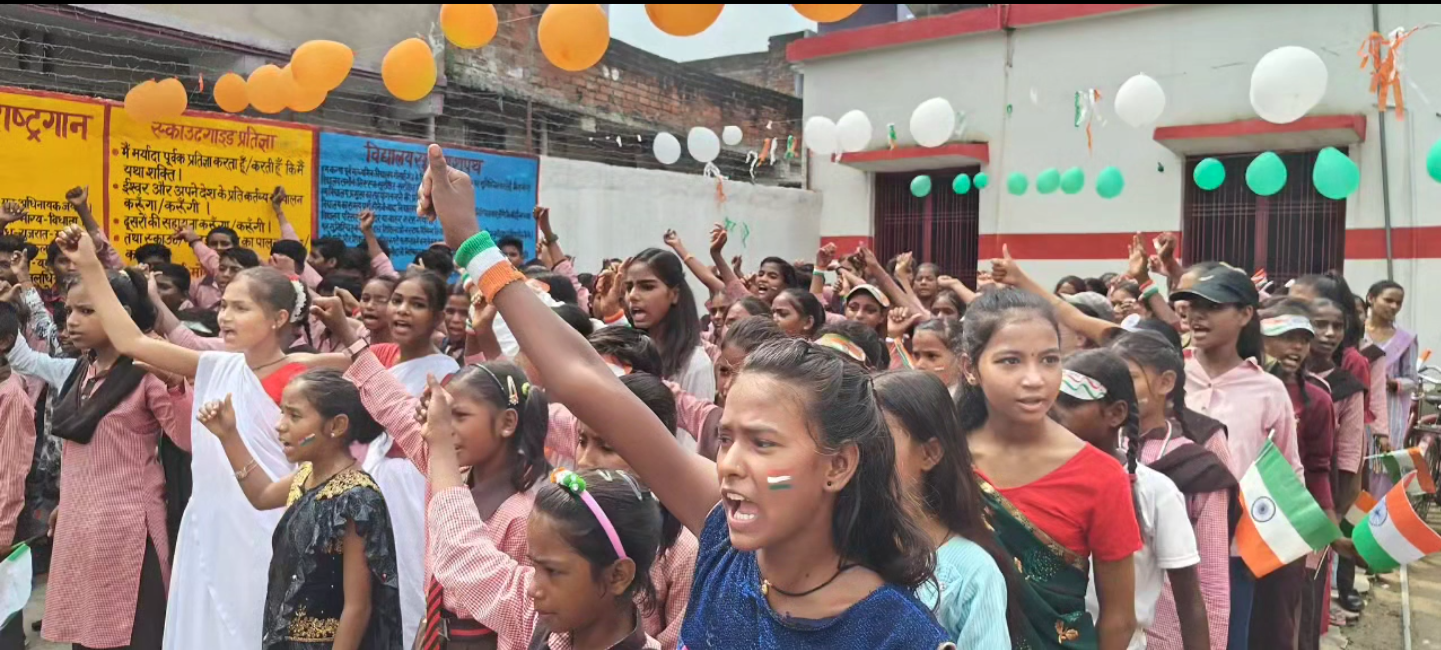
(1382, 286)
(586, 280)
(870, 526)
(357, 260)
(748, 334)
(340, 280)
(951, 333)
(436, 261)
(680, 329)
(634, 515)
(1284, 306)
(52, 250)
(177, 274)
(1077, 284)
(16, 243)
(788, 272)
(1153, 351)
(133, 289)
(291, 249)
(246, 258)
(1160, 327)
(493, 382)
(431, 284)
(560, 287)
(9, 323)
(1110, 370)
(754, 306)
(653, 392)
(333, 395)
(809, 307)
(991, 311)
(273, 290)
(950, 492)
(1335, 288)
(628, 346)
(803, 276)
(1129, 286)
(150, 251)
(865, 338)
(515, 242)
(575, 318)
(224, 230)
(329, 248)
(1095, 285)
(31, 251)
(952, 297)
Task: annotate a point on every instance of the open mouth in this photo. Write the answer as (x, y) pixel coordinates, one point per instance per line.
(739, 509)
(1034, 404)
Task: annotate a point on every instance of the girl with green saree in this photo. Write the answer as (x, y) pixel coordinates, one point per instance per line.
(1057, 504)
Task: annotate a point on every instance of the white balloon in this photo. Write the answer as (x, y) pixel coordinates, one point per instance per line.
(1140, 101)
(854, 131)
(667, 148)
(933, 122)
(1287, 82)
(703, 144)
(731, 135)
(821, 136)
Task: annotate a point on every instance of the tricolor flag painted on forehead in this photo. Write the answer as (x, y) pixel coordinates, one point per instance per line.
(1280, 521)
(1404, 461)
(1393, 534)
(1357, 513)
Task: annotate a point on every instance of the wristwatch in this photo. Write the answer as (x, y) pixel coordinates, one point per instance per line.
(354, 349)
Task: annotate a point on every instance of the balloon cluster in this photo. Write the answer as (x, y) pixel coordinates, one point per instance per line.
(1335, 175)
(315, 69)
(156, 100)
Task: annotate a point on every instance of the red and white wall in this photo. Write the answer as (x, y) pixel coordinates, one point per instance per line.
(1033, 58)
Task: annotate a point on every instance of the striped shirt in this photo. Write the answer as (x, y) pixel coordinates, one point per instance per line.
(17, 449)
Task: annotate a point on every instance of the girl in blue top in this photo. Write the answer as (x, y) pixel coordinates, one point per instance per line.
(969, 595)
(803, 538)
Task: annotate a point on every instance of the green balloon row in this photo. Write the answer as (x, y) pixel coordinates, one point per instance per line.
(1335, 175)
(1109, 182)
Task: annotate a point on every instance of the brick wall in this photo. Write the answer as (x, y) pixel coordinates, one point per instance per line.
(768, 69)
(630, 92)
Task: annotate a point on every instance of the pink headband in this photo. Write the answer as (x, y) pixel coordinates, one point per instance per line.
(574, 484)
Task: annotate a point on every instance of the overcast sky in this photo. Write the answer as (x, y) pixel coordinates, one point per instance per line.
(740, 28)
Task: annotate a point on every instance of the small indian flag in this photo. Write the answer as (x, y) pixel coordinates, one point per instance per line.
(15, 579)
(1281, 521)
(1357, 513)
(1393, 534)
(1402, 462)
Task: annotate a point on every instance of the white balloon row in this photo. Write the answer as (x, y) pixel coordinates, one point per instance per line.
(702, 143)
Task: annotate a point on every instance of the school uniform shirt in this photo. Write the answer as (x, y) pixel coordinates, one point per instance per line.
(563, 433)
(698, 376)
(1167, 543)
(968, 595)
(1253, 404)
(1350, 443)
(17, 450)
(672, 574)
(1354, 362)
(1316, 434)
(1211, 516)
(206, 293)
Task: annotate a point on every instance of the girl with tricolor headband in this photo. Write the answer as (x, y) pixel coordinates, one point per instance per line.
(1295, 597)
(1098, 404)
(803, 538)
(593, 538)
(1051, 496)
(856, 342)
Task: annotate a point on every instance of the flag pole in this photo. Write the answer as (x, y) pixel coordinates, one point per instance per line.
(1405, 608)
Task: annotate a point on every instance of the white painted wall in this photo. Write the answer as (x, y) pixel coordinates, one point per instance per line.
(603, 211)
(1201, 54)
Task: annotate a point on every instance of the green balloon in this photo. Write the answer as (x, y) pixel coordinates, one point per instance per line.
(1073, 180)
(982, 180)
(1048, 180)
(1109, 183)
(1433, 162)
(1016, 183)
(1335, 176)
(962, 184)
(920, 186)
(1266, 175)
(1209, 174)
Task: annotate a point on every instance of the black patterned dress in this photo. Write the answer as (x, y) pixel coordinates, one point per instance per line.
(306, 593)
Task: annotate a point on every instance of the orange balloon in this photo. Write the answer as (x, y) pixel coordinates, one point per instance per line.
(468, 26)
(270, 89)
(322, 65)
(302, 99)
(231, 94)
(573, 37)
(826, 13)
(683, 20)
(408, 70)
(170, 99)
(140, 104)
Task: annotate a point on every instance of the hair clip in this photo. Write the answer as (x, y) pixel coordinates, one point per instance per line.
(575, 485)
(572, 482)
(510, 385)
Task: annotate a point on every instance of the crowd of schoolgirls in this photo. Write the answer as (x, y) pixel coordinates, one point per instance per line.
(313, 450)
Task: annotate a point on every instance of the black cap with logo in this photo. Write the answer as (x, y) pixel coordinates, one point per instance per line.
(1223, 286)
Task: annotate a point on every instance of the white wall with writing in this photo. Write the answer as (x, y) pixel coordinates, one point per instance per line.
(600, 211)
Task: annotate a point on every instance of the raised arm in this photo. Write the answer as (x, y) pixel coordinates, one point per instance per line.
(718, 239)
(379, 262)
(576, 375)
(1007, 272)
(964, 292)
(79, 198)
(219, 418)
(701, 271)
(883, 280)
(824, 256)
(1139, 270)
(208, 258)
(119, 328)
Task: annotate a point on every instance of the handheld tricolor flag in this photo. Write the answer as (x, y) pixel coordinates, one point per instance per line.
(1280, 521)
(15, 578)
(1363, 506)
(1405, 461)
(1394, 534)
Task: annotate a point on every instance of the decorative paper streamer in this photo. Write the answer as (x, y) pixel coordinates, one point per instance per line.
(790, 147)
(1384, 56)
(891, 135)
(711, 171)
(752, 159)
(772, 149)
(202, 82)
(1088, 112)
(762, 158)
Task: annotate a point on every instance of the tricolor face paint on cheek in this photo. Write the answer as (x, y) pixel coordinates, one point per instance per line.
(779, 480)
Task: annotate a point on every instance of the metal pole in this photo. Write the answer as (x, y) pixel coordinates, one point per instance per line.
(1385, 172)
(1405, 608)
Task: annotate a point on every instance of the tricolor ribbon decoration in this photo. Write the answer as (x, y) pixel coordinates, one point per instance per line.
(1383, 54)
(1081, 387)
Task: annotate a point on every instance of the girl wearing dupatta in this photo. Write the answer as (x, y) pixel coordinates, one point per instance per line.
(1059, 506)
(1385, 299)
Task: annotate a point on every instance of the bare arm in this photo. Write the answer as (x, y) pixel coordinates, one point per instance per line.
(355, 616)
(481, 338)
(718, 238)
(219, 418)
(824, 256)
(1190, 608)
(1007, 272)
(1116, 592)
(883, 280)
(1139, 270)
(967, 296)
(700, 270)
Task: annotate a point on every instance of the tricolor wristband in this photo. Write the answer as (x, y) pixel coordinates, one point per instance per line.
(486, 265)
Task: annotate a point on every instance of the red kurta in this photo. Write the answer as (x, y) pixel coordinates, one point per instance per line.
(112, 497)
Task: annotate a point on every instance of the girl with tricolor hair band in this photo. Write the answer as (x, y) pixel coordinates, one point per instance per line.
(216, 592)
(1098, 402)
(856, 342)
(1051, 496)
(803, 537)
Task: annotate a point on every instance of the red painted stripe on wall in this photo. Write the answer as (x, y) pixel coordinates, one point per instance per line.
(1361, 244)
(1407, 243)
(845, 244)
